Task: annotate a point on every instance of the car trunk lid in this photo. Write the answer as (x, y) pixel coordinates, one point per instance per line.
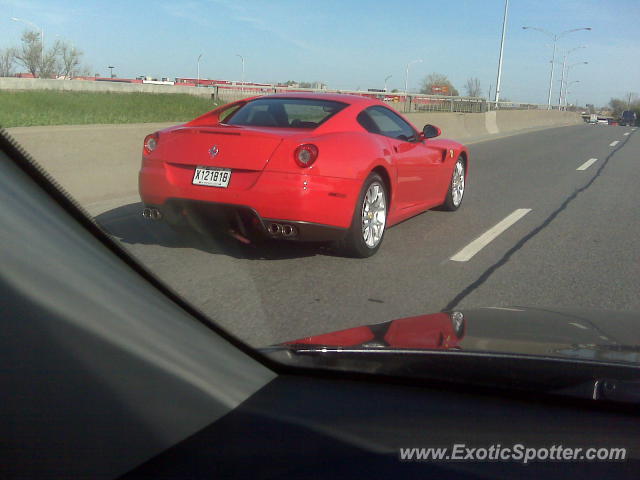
(220, 146)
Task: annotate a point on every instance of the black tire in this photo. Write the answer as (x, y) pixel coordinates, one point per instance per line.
(452, 203)
(353, 244)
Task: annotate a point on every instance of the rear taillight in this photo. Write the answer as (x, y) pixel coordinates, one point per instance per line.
(305, 155)
(150, 143)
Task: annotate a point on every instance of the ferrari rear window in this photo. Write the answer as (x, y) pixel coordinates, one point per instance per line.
(285, 112)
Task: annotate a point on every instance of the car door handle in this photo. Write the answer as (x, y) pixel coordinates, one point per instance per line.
(395, 149)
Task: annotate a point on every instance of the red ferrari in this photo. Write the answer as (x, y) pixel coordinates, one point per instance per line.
(300, 166)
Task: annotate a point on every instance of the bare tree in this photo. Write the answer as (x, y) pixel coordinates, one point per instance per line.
(30, 54)
(7, 59)
(617, 106)
(85, 71)
(70, 58)
(473, 88)
(51, 64)
(631, 97)
(39, 62)
(434, 82)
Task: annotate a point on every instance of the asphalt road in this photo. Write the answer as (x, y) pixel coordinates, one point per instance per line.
(575, 245)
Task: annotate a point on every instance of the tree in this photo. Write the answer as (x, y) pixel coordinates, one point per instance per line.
(51, 65)
(59, 59)
(69, 60)
(438, 80)
(617, 106)
(473, 88)
(316, 85)
(630, 102)
(85, 71)
(7, 59)
(30, 53)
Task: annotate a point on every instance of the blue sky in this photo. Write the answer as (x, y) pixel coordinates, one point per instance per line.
(348, 44)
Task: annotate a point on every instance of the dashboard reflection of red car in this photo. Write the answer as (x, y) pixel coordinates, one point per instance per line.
(436, 331)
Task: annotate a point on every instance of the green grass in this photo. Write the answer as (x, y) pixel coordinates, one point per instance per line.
(47, 107)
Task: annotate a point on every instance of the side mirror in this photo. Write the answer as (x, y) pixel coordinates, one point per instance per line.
(431, 131)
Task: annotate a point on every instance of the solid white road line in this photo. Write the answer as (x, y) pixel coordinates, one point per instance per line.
(587, 164)
(628, 133)
(483, 240)
(614, 143)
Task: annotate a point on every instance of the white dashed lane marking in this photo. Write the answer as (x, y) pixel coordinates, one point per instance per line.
(614, 143)
(587, 164)
(487, 237)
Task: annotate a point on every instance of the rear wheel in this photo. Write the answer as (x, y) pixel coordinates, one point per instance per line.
(456, 186)
(369, 219)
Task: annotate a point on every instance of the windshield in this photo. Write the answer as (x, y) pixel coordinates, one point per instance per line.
(297, 170)
(284, 113)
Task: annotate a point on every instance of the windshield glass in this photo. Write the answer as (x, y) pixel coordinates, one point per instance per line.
(284, 113)
(296, 170)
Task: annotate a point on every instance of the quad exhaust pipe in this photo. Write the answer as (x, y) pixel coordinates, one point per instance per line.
(151, 213)
(288, 231)
(284, 230)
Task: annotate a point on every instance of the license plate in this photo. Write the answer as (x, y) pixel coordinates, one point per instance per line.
(212, 177)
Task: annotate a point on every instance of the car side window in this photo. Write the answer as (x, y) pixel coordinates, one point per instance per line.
(390, 124)
(367, 123)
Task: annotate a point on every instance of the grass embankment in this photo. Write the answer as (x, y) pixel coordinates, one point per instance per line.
(47, 107)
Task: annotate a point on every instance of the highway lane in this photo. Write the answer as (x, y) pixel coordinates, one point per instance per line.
(575, 247)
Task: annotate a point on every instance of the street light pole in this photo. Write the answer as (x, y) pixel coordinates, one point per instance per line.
(555, 38)
(385, 81)
(242, 78)
(406, 82)
(567, 92)
(564, 62)
(198, 82)
(568, 69)
(27, 22)
(504, 33)
(406, 76)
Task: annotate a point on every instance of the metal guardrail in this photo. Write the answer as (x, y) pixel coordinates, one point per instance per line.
(400, 101)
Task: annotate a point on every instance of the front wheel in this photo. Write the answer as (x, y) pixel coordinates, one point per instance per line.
(456, 187)
(369, 219)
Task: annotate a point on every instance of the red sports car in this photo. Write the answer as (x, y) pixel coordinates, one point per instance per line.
(301, 166)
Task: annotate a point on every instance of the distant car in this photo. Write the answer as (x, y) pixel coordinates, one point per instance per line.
(628, 118)
(301, 167)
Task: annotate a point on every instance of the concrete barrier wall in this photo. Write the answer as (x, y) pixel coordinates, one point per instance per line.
(511, 121)
(461, 126)
(7, 83)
